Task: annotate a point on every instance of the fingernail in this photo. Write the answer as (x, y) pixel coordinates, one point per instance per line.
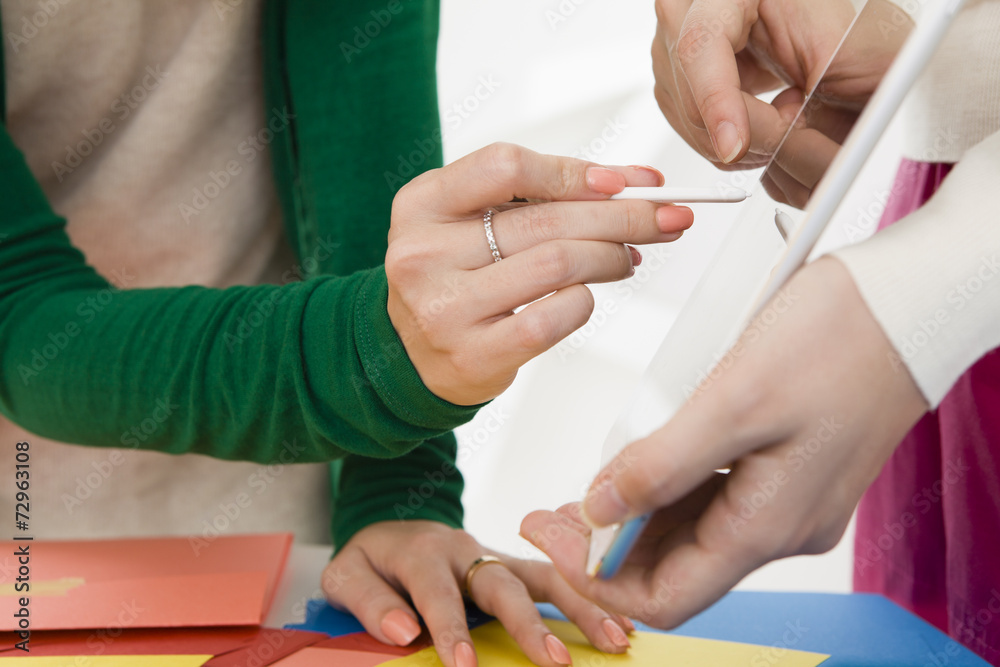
(653, 171)
(629, 625)
(558, 650)
(465, 656)
(636, 256)
(672, 218)
(400, 627)
(606, 181)
(728, 143)
(615, 634)
(603, 506)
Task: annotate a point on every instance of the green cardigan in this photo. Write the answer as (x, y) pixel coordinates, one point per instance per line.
(309, 371)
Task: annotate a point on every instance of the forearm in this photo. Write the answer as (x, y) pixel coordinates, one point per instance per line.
(303, 372)
(932, 280)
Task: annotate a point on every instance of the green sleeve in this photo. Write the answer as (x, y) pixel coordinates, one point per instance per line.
(359, 78)
(303, 372)
(424, 484)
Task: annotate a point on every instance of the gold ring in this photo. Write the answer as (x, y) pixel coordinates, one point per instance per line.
(480, 562)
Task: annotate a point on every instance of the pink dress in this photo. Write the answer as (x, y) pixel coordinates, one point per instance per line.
(928, 531)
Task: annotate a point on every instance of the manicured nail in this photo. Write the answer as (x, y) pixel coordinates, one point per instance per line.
(673, 218)
(606, 181)
(465, 656)
(558, 650)
(636, 256)
(400, 627)
(603, 506)
(728, 143)
(615, 634)
(657, 176)
(629, 625)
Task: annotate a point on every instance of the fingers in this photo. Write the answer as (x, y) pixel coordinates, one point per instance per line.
(605, 631)
(502, 172)
(566, 545)
(513, 341)
(519, 229)
(546, 268)
(350, 583)
(435, 593)
(713, 32)
(499, 592)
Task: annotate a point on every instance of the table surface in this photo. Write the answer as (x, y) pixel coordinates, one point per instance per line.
(856, 630)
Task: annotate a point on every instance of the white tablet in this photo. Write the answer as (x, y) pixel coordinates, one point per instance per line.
(749, 269)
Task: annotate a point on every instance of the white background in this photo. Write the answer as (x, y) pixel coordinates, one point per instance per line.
(559, 73)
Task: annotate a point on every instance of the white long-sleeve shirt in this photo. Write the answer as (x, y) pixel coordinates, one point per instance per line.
(932, 280)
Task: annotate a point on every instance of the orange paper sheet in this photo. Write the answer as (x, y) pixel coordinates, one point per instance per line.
(144, 583)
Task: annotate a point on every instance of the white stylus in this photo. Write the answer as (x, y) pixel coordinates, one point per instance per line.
(685, 195)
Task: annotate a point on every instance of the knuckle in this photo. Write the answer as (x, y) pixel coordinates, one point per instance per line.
(713, 98)
(405, 258)
(565, 184)
(643, 485)
(694, 36)
(543, 223)
(505, 162)
(633, 220)
(534, 331)
(552, 264)
(428, 542)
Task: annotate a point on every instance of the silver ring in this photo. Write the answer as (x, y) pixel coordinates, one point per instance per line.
(488, 226)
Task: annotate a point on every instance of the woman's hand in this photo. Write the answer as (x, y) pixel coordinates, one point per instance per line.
(811, 407)
(454, 307)
(389, 565)
(711, 57)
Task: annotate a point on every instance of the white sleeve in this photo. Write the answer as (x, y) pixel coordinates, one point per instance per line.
(932, 280)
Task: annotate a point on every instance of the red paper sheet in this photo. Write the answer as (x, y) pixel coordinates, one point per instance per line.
(143, 583)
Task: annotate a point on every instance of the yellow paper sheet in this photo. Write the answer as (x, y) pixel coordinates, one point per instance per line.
(496, 648)
(107, 661)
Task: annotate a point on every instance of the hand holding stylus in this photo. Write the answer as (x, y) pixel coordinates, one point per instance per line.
(802, 448)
